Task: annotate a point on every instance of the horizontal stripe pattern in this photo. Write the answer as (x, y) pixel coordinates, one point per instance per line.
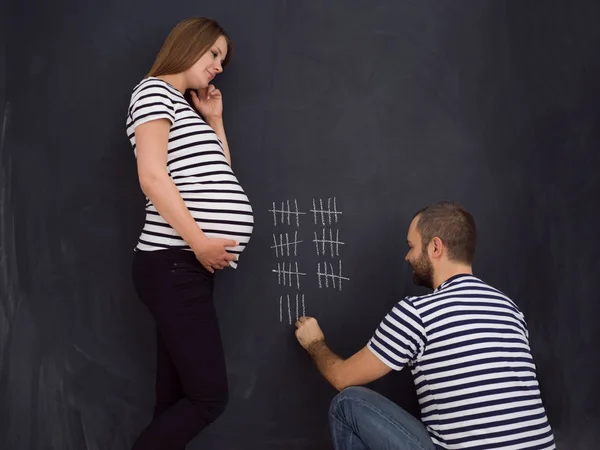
(197, 165)
(468, 348)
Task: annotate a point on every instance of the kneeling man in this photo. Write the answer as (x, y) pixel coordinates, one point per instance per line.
(468, 348)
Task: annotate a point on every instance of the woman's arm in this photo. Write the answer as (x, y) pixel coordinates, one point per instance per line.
(219, 128)
(209, 103)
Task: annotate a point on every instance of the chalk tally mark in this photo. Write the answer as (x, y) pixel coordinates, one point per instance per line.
(331, 213)
(285, 246)
(300, 305)
(328, 241)
(287, 274)
(328, 277)
(285, 213)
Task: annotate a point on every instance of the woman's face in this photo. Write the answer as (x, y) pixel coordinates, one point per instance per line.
(201, 74)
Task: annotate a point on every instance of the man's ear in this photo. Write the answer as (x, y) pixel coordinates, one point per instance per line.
(436, 247)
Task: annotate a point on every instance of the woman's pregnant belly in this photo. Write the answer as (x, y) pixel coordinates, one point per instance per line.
(221, 210)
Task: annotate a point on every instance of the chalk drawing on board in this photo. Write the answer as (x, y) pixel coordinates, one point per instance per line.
(284, 246)
(280, 308)
(300, 305)
(327, 276)
(285, 213)
(332, 244)
(287, 276)
(331, 212)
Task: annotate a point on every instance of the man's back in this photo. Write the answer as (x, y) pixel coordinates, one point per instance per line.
(475, 377)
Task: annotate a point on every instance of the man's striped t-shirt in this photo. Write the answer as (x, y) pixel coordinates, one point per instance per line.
(468, 348)
(197, 165)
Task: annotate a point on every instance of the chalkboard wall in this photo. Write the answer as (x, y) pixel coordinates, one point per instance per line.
(351, 114)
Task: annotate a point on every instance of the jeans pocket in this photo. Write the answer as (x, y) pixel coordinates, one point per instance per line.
(186, 271)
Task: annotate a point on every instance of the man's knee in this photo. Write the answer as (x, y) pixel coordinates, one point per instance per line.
(346, 398)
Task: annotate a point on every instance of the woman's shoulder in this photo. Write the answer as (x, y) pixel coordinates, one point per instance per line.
(147, 82)
(155, 85)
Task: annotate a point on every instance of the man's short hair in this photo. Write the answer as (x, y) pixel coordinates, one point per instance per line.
(455, 227)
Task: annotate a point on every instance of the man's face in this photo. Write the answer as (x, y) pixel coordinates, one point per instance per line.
(418, 258)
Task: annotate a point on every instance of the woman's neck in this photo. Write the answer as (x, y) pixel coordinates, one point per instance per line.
(176, 80)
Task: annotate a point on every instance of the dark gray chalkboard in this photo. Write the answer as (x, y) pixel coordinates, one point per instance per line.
(384, 105)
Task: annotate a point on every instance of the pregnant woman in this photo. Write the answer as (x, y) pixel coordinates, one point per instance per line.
(198, 220)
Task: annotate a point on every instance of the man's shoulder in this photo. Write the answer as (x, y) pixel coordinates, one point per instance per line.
(459, 288)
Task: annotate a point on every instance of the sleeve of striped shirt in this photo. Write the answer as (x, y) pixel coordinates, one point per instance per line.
(151, 103)
(400, 337)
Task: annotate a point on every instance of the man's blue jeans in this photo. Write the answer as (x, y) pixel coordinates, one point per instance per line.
(361, 419)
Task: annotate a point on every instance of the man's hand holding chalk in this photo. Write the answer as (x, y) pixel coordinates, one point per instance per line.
(308, 331)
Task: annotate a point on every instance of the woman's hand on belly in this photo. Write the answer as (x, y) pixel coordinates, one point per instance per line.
(212, 254)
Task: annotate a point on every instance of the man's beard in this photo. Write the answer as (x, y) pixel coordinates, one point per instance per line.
(423, 271)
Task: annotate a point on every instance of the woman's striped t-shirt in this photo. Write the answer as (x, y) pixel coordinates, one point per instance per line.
(468, 348)
(197, 165)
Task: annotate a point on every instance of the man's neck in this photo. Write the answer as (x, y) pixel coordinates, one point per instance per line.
(445, 273)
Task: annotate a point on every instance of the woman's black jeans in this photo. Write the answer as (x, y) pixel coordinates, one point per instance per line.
(191, 379)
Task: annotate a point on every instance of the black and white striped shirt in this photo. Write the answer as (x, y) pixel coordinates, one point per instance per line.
(197, 165)
(468, 348)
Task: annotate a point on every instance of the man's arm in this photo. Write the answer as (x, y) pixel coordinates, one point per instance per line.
(361, 368)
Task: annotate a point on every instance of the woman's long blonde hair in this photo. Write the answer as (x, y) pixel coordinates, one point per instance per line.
(185, 44)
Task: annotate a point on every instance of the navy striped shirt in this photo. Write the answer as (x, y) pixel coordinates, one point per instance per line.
(468, 349)
(197, 165)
